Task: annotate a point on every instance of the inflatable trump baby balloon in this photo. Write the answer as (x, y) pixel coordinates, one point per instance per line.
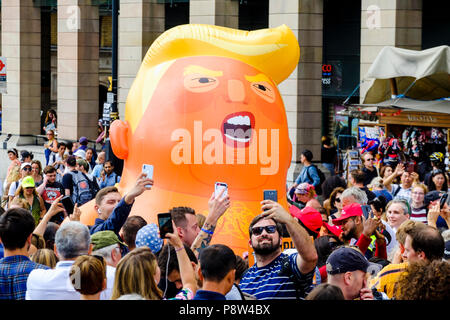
(205, 108)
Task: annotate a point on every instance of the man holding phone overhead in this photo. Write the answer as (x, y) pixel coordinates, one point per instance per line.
(113, 209)
(277, 275)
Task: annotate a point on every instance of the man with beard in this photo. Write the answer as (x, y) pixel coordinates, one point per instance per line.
(277, 275)
(357, 230)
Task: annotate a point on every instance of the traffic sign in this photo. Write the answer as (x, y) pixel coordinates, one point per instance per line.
(2, 75)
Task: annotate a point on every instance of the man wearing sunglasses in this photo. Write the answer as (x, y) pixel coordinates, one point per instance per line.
(25, 170)
(369, 169)
(275, 274)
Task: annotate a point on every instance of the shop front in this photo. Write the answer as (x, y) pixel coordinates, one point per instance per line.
(407, 105)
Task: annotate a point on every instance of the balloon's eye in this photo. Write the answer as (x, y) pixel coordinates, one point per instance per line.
(199, 83)
(264, 90)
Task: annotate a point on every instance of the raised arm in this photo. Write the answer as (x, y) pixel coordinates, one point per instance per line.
(307, 254)
(187, 272)
(217, 207)
(54, 209)
(41, 188)
(399, 169)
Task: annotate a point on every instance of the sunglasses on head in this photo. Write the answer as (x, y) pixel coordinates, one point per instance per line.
(258, 230)
(100, 258)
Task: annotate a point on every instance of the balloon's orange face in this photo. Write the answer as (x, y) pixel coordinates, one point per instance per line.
(213, 119)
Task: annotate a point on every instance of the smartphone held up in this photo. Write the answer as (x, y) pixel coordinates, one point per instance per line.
(218, 187)
(148, 170)
(165, 224)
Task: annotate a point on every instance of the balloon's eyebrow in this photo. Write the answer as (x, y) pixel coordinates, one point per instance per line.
(194, 69)
(260, 77)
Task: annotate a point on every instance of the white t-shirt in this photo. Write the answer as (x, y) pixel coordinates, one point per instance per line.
(13, 188)
(402, 193)
(55, 284)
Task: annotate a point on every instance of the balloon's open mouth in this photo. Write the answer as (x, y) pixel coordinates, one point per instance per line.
(237, 129)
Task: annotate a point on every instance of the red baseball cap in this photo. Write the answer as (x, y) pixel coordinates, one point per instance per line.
(351, 210)
(336, 230)
(309, 216)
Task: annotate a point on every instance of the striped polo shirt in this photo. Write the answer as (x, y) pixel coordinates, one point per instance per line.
(419, 214)
(267, 283)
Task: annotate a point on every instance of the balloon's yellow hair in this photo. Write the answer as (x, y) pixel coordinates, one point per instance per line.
(273, 51)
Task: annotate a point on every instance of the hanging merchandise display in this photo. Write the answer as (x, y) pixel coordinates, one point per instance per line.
(389, 149)
(419, 142)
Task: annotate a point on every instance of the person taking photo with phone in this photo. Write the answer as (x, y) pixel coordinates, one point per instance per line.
(263, 279)
(113, 209)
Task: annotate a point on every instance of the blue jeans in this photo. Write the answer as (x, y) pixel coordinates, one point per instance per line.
(47, 153)
(330, 167)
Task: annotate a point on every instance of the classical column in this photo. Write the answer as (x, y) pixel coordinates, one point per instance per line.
(21, 46)
(302, 91)
(140, 23)
(396, 23)
(223, 13)
(78, 55)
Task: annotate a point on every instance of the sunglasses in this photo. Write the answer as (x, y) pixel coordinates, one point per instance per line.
(370, 159)
(27, 169)
(100, 258)
(338, 200)
(258, 230)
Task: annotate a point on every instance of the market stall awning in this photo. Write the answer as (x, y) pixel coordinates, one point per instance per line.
(420, 75)
(440, 106)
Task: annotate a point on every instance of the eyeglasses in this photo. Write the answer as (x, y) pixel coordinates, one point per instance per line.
(418, 193)
(258, 230)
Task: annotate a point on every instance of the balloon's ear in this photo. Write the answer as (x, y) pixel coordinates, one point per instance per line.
(118, 134)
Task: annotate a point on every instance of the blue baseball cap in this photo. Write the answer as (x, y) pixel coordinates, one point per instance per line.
(346, 259)
(148, 236)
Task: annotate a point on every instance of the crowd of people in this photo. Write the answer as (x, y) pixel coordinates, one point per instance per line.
(380, 234)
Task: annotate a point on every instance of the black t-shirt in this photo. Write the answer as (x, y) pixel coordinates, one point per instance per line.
(369, 175)
(328, 155)
(67, 180)
(51, 192)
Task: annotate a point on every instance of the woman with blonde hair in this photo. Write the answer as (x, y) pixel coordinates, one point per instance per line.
(19, 203)
(138, 272)
(13, 176)
(45, 256)
(88, 276)
(27, 191)
(303, 193)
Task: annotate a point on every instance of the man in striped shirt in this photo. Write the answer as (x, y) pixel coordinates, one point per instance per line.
(277, 275)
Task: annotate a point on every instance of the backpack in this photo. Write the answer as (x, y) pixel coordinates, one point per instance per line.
(318, 188)
(82, 191)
